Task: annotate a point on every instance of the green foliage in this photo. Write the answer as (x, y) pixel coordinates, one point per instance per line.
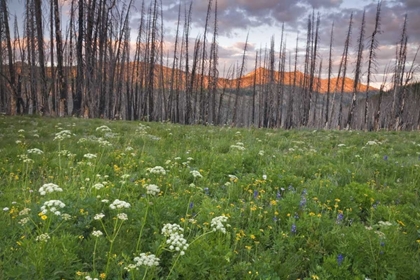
(294, 204)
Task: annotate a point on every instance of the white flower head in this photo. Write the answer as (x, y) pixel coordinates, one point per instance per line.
(157, 170)
(217, 223)
(43, 237)
(196, 174)
(52, 206)
(99, 216)
(122, 216)
(49, 188)
(103, 128)
(152, 189)
(89, 156)
(119, 204)
(149, 260)
(98, 186)
(60, 136)
(35, 151)
(97, 233)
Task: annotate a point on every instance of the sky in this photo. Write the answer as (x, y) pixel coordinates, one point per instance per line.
(263, 19)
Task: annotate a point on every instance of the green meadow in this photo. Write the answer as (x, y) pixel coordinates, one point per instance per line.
(95, 199)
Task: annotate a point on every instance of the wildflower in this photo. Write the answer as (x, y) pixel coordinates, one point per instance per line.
(176, 240)
(385, 157)
(302, 203)
(206, 191)
(278, 195)
(23, 221)
(103, 128)
(341, 145)
(99, 216)
(24, 211)
(102, 275)
(255, 193)
(340, 259)
(264, 177)
(196, 174)
(191, 205)
(152, 189)
(339, 219)
(35, 151)
(98, 186)
(232, 178)
(52, 205)
(105, 200)
(118, 204)
(157, 170)
(293, 229)
(49, 188)
(149, 260)
(122, 216)
(5, 209)
(97, 233)
(43, 237)
(66, 217)
(59, 136)
(217, 223)
(89, 156)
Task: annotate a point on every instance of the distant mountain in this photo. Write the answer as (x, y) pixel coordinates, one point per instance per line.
(262, 76)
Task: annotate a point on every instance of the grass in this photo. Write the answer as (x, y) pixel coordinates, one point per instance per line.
(198, 202)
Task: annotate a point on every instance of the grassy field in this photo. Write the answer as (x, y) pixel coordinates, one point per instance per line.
(86, 199)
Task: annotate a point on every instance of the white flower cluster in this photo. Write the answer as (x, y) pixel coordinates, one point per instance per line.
(43, 237)
(103, 128)
(25, 158)
(176, 240)
(52, 206)
(217, 223)
(62, 135)
(152, 189)
(98, 186)
(23, 212)
(90, 278)
(119, 204)
(122, 216)
(238, 146)
(49, 188)
(104, 143)
(146, 260)
(196, 174)
(89, 156)
(99, 216)
(149, 260)
(261, 153)
(35, 151)
(97, 233)
(157, 170)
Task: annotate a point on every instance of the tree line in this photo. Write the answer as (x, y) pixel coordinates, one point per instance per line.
(91, 70)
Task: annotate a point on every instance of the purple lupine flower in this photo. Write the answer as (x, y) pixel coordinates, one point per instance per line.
(278, 196)
(191, 205)
(339, 219)
(293, 229)
(296, 216)
(206, 191)
(255, 194)
(302, 203)
(385, 157)
(340, 259)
